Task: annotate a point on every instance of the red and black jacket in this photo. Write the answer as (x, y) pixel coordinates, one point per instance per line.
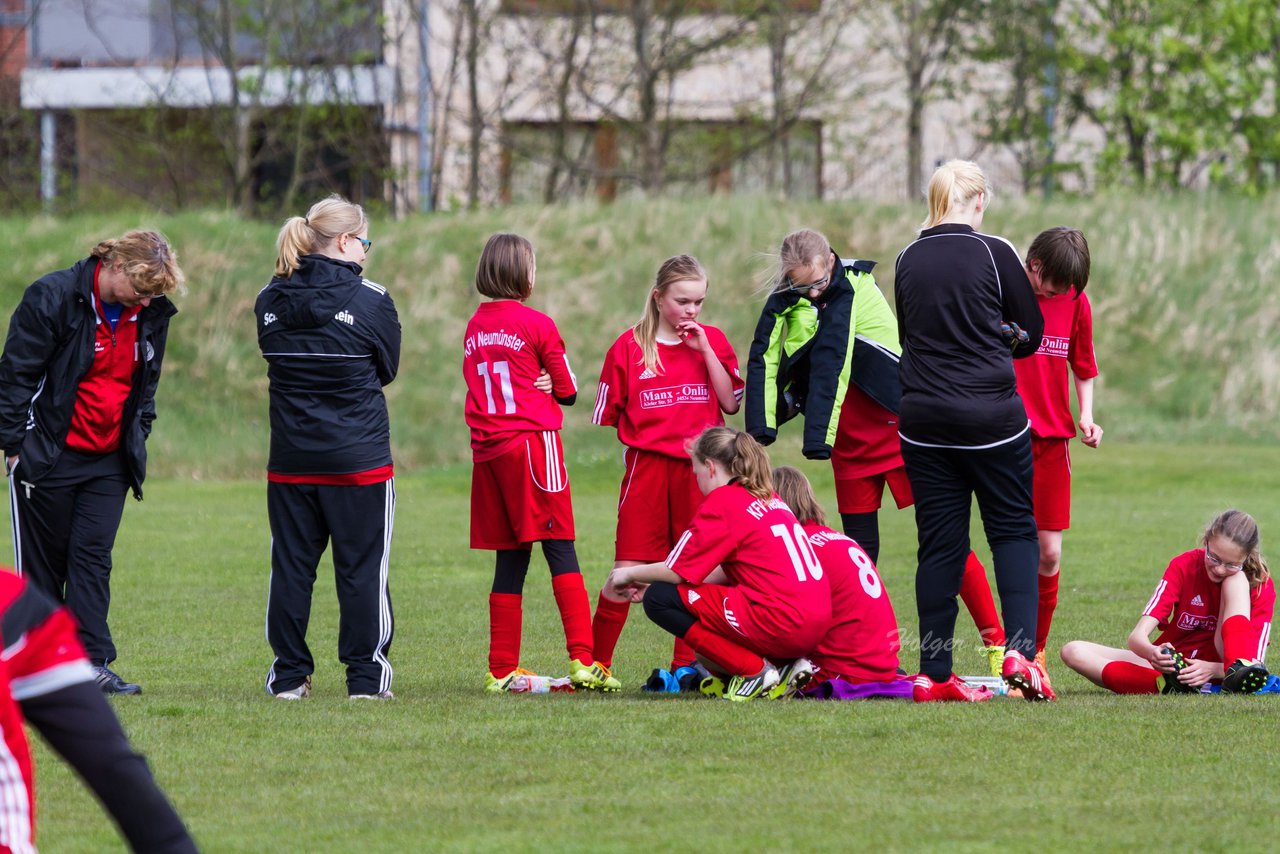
(48, 351)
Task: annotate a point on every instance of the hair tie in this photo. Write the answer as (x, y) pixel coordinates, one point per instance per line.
(306, 221)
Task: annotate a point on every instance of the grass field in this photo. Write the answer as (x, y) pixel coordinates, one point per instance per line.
(445, 767)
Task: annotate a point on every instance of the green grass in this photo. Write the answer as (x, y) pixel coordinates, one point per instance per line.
(445, 767)
(1184, 308)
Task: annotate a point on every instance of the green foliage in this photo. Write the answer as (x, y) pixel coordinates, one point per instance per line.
(446, 768)
(1182, 308)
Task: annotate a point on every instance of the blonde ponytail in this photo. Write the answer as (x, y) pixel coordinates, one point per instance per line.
(953, 183)
(740, 455)
(328, 219)
(677, 268)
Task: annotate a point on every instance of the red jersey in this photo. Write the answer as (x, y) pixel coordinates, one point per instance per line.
(867, 440)
(41, 654)
(764, 551)
(660, 410)
(863, 642)
(505, 348)
(101, 394)
(1042, 382)
(1188, 605)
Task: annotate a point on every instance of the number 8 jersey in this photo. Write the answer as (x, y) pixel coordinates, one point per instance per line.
(505, 348)
(765, 553)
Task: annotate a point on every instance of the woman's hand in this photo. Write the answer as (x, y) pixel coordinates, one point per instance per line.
(1091, 433)
(543, 382)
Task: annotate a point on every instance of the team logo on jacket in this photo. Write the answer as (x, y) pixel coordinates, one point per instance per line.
(346, 317)
(1195, 622)
(657, 398)
(268, 319)
(151, 352)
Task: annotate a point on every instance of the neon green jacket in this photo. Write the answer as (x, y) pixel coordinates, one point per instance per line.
(805, 354)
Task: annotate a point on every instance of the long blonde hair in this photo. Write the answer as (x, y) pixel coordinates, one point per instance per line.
(305, 235)
(739, 454)
(1240, 528)
(145, 258)
(677, 268)
(797, 493)
(799, 249)
(954, 183)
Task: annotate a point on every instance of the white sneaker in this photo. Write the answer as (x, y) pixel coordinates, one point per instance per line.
(381, 695)
(300, 693)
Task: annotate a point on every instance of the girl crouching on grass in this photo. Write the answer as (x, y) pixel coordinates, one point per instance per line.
(742, 586)
(1212, 605)
(519, 485)
(858, 657)
(664, 380)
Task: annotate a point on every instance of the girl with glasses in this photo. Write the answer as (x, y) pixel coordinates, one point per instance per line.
(1212, 605)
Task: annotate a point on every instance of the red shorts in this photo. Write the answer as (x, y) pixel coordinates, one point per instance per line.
(724, 610)
(656, 502)
(1051, 486)
(864, 494)
(522, 496)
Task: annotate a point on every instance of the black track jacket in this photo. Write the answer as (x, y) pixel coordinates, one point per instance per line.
(953, 287)
(331, 339)
(48, 351)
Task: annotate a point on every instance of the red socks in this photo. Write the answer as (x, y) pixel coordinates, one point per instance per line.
(575, 613)
(610, 617)
(1126, 678)
(1048, 602)
(724, 652)
(1238, 640)
(975, 591)
(682, 655)
(505, 615)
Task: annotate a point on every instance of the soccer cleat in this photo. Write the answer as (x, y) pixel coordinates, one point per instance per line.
(688, 678)
(1027, 676)
(742, 689)
(792, 678)
(109, 682)
(954, 690)
(381, 695)
(1171, 683)
(494, 685)
(995, 659)
(1245, 677)
(300, 693)
(711, 686)
(593, 677)
(661, 682)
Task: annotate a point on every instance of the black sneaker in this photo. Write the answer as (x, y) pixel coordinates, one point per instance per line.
(110, 682)
(1173, 685)
(1245, 677)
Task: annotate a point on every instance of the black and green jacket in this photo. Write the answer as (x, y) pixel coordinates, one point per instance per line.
(805, 354)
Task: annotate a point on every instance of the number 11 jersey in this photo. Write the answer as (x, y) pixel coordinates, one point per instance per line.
(505, 348)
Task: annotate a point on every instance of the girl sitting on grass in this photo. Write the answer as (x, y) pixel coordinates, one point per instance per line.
(742, 586)
(1212, 605)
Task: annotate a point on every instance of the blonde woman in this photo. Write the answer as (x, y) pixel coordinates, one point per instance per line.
(331, 339)
(964, 428)
(77, 398)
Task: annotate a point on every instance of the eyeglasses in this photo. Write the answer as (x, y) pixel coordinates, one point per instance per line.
(791, 285)
(1217, 561)
(367, 244)
(142, 294)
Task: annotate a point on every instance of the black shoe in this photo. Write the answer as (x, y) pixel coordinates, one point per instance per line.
(110, 682)
(1172, 685)
(1245, 677)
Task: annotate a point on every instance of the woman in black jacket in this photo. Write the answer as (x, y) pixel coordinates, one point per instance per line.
(77, 398)
(331, 339)
(963, 426)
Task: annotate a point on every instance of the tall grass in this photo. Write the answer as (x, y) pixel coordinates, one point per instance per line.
(1181, 285)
